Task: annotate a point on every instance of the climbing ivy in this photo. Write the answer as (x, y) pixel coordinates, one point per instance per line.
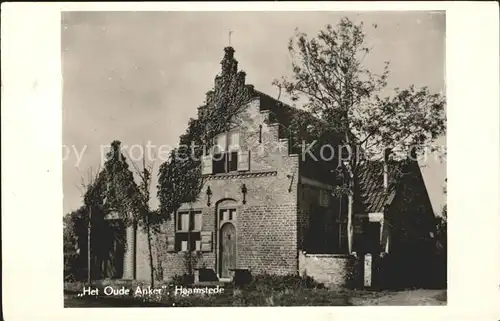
(123, 195)
(180, 179)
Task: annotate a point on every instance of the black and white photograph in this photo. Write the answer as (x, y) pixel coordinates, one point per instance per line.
(254, 158)
(260, 160)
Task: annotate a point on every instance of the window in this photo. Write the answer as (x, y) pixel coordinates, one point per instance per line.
(227, 214)
(340, 240)
(317, 238)
(188, 236)
(225, 156)
(327, 230)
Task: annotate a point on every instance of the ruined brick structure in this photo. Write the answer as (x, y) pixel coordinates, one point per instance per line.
(269, 210)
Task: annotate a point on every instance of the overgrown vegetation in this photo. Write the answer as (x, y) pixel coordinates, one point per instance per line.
(112, 191)
(180, 179)
(74, 241)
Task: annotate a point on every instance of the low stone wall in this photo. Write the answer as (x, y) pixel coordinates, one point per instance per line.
(334, 270)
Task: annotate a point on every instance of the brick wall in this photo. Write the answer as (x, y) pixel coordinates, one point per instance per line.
(267, 241)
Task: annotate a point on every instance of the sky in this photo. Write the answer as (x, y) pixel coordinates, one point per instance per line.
(138, 77)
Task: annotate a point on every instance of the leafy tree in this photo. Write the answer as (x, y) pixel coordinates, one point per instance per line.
(333, 84)
(74, 231)
(149, 219)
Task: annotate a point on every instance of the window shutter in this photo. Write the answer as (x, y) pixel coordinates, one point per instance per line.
(244, 160)
(206, 241)
(234, 140)
(197, 221)
(183, 221)
(206, 165)
(221, 142)
(170, 244)
(184, 246)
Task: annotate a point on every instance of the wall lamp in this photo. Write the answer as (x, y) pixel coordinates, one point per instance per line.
(244, 192)
(209, 195)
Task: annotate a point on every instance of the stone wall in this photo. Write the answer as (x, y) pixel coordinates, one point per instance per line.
(333, 270)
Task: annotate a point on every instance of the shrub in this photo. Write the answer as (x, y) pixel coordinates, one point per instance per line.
(284, 282)
(71, 272)
(184, 279)
(74, 241)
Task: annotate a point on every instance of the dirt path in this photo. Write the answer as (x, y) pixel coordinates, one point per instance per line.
(414, 297)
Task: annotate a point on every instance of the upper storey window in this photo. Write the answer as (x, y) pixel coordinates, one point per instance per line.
(227, 155)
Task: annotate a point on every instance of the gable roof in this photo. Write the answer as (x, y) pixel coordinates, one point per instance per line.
(403, 176)
(374, 198)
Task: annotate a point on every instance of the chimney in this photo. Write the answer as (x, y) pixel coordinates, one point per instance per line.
(387, 153)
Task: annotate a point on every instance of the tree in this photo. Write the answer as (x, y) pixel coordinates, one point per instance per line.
(74, 231)
(148, 219)
(441, 229)
(335, 86)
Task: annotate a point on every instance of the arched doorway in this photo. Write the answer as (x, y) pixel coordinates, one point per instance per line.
(227, 255)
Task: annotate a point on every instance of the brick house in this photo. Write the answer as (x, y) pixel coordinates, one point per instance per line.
(266, 208)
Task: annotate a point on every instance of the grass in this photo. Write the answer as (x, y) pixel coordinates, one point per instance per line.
(264, 290)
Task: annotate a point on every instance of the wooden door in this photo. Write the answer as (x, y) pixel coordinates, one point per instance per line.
(227, 249)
